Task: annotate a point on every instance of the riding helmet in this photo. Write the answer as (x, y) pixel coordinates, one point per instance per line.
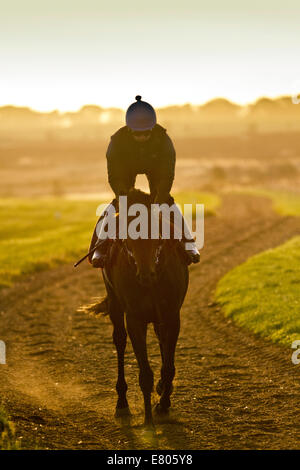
(140, 116)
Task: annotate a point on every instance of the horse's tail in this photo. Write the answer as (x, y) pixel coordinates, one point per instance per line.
(95, 309)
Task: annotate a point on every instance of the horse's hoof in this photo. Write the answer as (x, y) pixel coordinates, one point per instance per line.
(160, 410)
(120, 412)
(149, 426)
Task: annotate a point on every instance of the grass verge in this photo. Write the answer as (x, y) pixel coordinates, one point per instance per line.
(263, 293)
(39, 234)
(284, 202)
(211, 201)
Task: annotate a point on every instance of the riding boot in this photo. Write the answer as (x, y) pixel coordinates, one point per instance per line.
(188, 241)
(99, 256)
(191, 250)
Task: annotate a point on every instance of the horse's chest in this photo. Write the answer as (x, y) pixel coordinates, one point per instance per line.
(142, 306)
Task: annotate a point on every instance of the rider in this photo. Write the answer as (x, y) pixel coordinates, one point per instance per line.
(140, 147)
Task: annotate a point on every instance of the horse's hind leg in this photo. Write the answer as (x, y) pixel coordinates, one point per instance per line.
(137, 333)
(119, 338)
(168, 336)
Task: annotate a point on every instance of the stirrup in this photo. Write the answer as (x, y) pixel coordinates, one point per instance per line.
(194, 256)
(192, 253)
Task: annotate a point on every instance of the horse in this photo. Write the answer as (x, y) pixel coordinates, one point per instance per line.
(146, 282)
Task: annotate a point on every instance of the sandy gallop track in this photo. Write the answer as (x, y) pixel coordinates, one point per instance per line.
(232, 389)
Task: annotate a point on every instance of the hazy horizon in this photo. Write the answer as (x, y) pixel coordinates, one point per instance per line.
(158, 107)
(63, 55)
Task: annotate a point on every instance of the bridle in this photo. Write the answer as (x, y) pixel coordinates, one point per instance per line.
(130, 256)
(128, 252)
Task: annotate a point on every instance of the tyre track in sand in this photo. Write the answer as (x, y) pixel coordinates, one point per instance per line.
(233, 390)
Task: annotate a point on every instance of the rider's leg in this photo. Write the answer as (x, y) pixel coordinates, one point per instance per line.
(181, 226)
(99, 255)
(187, 238)
(190, 244)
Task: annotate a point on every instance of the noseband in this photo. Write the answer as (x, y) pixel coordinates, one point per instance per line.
(130, 254)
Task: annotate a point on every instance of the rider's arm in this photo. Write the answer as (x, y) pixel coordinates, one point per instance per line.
(166, 169)
(115, 170)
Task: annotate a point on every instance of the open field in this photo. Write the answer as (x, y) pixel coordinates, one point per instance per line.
(238, 391)
(284, 202)
(39, 234)
(233, 389)
(207, 339)
(60, 167)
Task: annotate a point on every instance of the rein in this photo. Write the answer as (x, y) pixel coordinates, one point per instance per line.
(128, 252)
(131, 257)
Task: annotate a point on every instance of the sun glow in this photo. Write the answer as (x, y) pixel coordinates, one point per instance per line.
(63, 56)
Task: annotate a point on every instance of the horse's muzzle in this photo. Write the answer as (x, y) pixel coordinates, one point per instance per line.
(147, 278)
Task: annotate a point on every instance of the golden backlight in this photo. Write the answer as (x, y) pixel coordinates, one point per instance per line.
(63, 55)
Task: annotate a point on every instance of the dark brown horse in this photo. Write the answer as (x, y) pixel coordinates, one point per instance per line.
(146, 281)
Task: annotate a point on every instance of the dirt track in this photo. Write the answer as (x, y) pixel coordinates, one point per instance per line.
(232, 389)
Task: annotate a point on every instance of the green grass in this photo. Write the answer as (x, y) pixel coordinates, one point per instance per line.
(284, 202)
(211, 201)
(263, 293)
(7, 433)
(38, 234)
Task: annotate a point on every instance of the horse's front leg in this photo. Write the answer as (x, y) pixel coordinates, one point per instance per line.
(119, 338)
(168, 335)
(137, 332)
(157, 330)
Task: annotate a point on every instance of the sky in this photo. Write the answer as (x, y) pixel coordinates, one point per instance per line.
(63, 54)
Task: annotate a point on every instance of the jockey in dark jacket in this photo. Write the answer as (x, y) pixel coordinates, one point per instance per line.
(151, 153)
(140, 147)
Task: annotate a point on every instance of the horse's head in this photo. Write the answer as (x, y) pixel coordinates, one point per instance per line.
(143, 253)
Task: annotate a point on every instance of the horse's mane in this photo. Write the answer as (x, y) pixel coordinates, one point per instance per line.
(136, 196)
